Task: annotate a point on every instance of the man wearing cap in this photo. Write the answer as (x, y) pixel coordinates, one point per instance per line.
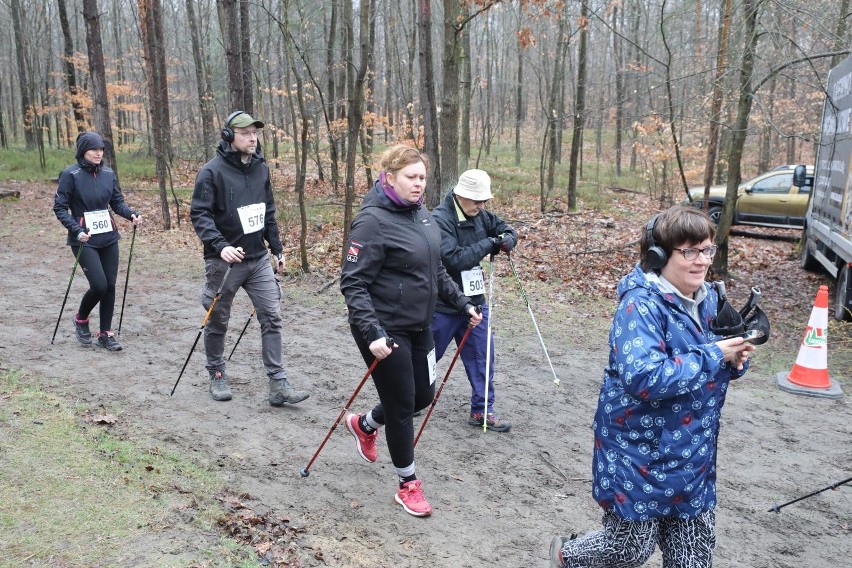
(469, 233)
(233, 213)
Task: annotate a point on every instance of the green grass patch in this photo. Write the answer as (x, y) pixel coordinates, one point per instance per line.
(72, 493)
(19, 164)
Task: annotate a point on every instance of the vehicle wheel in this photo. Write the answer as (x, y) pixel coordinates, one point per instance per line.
(715, 212)
(842, 296)
(807, 260)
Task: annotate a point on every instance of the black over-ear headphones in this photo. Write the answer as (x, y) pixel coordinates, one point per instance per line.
(655, 256)
(227, 133)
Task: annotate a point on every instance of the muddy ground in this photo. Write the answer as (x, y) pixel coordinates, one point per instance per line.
(497, 498)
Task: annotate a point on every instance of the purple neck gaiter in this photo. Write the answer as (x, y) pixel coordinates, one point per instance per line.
(391, 193)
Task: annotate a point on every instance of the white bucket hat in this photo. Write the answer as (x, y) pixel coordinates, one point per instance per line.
(475, 185)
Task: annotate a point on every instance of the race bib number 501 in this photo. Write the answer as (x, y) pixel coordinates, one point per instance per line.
(251, 217)
(473, 282)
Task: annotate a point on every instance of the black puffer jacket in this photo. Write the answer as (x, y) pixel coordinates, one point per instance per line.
(224, 185)
(392, 275)
(465, 240)
(86, 187)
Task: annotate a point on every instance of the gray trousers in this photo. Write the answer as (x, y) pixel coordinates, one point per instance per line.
(685, 543)
(258, 280)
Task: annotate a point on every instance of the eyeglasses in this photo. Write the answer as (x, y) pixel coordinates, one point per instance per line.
(483, 202)
(692, 253)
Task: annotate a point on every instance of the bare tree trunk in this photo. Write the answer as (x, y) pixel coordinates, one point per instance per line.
(449, 117)
(27, 109)
(765, 153)
(464, 104)
(245, 58)
(366, 133)
(670, 103)
(716, 105)
(550, 147)
(202, 83)
(428, 102)
(301, 144)
(579, 107)
(620, 90)
(331, 101)
(70, 75)
(840, 40)
(100, 108)
(356, 104)
(150, 19)
(229, 22)
(738, 134)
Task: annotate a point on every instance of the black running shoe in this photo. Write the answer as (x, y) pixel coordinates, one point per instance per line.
(106, 339)
(81, 329)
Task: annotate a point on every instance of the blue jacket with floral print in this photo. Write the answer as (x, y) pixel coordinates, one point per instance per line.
(657, 421)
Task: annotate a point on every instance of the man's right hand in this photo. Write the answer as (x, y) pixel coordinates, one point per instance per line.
(380, 348)
(231, 254)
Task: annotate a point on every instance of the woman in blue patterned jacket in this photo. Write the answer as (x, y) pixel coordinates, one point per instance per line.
(657, 422)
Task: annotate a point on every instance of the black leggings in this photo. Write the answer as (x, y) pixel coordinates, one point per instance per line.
(100, 265)
(405, 385)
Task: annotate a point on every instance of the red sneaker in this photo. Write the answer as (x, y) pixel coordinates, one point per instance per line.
(366, 443)
(410, 496)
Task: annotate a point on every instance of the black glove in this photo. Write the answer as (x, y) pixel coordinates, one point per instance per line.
(506, 245)
(496, 243)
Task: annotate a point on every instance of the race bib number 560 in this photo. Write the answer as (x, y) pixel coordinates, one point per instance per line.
(98, 222)
(251, 217)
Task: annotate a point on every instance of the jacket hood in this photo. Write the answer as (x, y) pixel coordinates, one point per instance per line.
(635, 279)
(229, 154)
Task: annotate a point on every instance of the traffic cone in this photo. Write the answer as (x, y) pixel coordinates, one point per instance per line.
(809, 375)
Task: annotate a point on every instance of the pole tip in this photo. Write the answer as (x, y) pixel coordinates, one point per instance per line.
(304, 473)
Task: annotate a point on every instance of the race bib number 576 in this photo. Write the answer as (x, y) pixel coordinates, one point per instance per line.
(251, 217)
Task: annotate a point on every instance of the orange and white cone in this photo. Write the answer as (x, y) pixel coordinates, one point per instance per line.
(809, 375)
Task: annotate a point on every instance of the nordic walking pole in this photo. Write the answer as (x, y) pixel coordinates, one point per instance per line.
(777, 508)
(535, 325)
(488, 340)
(306, 471)
(68, 289)
(204, 323)
(127, 277)
(446, 376)
(251, 315)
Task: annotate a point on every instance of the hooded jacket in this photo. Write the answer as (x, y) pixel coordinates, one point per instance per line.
(86, 187)
(222, 187)
(465, 241)
(657, 422)
(392, 275)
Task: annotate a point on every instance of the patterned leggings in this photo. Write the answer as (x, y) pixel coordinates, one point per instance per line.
(625, 544)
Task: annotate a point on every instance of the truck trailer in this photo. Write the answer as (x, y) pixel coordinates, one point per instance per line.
(827, 232)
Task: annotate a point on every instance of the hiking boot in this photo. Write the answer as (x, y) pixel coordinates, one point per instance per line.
(106, 339)
(280, 391)
(494, 422)
(219, 388)
(556, 546)
(81, 329)
(366, 443)
(410, 496)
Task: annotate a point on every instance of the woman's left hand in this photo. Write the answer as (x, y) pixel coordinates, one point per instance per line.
(137, 219)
